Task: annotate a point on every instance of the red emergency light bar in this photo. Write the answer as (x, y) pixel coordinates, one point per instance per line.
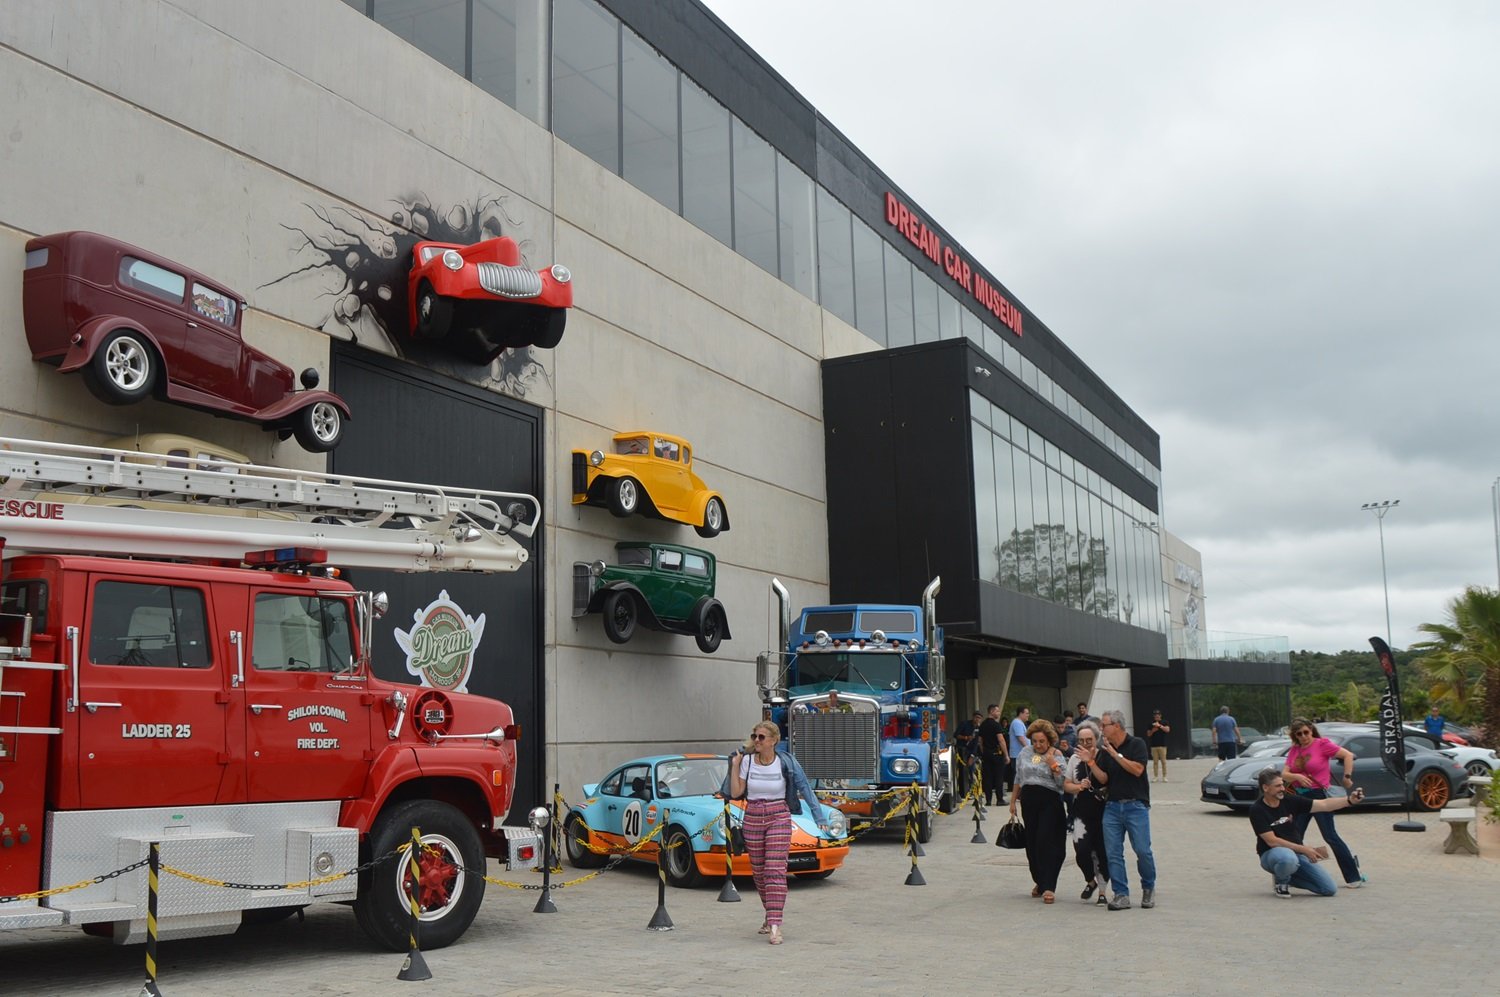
(286, 555)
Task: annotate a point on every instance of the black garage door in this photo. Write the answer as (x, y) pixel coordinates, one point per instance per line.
(411, 424)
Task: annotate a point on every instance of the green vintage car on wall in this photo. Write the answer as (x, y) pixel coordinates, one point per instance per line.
(656, 586)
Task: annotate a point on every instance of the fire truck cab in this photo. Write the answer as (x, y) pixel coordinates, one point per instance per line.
(224, 705)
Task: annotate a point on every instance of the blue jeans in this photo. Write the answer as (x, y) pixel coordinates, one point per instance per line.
(1348, 865)
(1131, 817)
(1290, 869)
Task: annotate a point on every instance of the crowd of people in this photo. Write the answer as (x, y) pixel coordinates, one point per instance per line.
(1079, 779)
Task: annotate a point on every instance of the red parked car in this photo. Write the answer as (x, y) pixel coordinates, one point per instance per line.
(479, 301)
(136, 324)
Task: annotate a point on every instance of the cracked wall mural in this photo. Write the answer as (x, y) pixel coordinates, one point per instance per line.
(357, 266)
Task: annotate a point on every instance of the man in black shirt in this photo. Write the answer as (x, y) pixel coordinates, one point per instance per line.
(1156, 740)
(993, 755)
(1278, 836)
(1120, 765)
(965, 748)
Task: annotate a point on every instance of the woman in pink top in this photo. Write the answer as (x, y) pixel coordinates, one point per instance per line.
(1307, 772)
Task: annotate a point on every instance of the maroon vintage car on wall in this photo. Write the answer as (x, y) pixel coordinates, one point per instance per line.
(138, 325)
(478, 300)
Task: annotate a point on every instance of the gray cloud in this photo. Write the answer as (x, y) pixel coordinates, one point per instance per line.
(1270, 228)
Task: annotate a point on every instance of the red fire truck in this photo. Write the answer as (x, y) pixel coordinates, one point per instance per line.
(169, 673)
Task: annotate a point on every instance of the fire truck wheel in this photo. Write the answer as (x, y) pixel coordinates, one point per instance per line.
(625, 496)
(712, 632)
(123, 369)
(576, 841)
(924, 827)
(448, 895)
(682, 867)
(319, 427)
(619, 616)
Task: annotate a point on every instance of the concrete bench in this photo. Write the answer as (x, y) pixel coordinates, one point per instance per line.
(1458, 820)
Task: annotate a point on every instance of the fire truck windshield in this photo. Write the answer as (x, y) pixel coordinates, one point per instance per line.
(870, 671)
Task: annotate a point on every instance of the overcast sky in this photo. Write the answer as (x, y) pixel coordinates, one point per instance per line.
(1271, 228)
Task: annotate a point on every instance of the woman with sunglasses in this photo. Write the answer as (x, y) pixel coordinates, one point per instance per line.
(1307, 773)
(772, 785)
(1088, 814)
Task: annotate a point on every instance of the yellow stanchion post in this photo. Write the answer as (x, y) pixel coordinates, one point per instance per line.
(728, 894)
(660, 921)
(153, 882)
(415, 967)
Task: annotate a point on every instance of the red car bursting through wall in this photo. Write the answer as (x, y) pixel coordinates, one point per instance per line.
(137, 325)
(479, 301)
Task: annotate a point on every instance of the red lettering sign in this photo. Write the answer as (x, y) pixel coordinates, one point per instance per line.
(27, 509)
(910, 224)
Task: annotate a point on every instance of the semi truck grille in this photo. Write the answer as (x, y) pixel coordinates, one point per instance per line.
(837, 745)
(510, 282)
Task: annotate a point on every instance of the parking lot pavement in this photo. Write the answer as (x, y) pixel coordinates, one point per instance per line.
(1217, 928)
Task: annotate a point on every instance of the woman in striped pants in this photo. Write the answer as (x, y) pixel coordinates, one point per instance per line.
(773, 786)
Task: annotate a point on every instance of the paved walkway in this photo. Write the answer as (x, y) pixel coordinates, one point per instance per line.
(1421, 927)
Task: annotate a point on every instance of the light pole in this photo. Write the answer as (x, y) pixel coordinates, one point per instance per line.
(1495, 507)
(1380, 509)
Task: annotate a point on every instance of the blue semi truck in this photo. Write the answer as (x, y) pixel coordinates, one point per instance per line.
(859, 692)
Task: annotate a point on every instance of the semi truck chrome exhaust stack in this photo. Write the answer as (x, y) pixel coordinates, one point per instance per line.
(770, 675)
(937, 679)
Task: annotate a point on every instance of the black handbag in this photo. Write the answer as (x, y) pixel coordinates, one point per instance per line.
(1012, 835)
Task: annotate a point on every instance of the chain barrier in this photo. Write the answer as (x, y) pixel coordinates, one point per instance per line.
(81, 884)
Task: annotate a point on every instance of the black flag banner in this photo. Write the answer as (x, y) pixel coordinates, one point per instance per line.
(1392, 742)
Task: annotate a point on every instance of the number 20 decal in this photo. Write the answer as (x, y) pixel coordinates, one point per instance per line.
(632, 822)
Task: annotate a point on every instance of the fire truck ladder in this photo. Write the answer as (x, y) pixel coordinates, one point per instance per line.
(65, 498)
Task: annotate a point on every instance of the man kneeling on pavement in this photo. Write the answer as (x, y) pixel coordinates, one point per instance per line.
(1278, 837)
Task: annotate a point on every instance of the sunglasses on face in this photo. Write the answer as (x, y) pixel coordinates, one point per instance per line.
(760, 737)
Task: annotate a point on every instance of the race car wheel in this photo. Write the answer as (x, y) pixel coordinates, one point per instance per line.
(123, 369)
(713, 519)
(924, 827)
(712, 631)
(434, 314)
(1433, 790)
(619, 616)
(682, 867)
(448, 892)
(576, 841)
(625, 496)
(319, 427)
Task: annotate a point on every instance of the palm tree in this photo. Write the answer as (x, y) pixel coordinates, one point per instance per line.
(1463, 655)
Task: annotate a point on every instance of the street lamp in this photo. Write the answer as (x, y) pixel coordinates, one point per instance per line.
(1495, 506)
(1380, 509)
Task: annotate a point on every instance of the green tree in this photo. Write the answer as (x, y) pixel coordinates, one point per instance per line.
(1463, 656)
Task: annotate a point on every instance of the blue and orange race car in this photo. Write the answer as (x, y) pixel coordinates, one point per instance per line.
(629, 803)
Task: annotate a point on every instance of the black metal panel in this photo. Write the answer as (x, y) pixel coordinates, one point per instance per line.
(413, 425)
(901, 504)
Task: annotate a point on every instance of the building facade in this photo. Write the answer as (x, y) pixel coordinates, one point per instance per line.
(744, 279)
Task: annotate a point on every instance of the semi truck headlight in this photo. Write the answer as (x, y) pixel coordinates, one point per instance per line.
(905, 766)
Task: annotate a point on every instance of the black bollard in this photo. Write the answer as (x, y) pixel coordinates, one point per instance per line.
(415, 967)
(660, 921)
(978, 838)
(727, 893)
(915, 810)
(544, 904)
(153, 883)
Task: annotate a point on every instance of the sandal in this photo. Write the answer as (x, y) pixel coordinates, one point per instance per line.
(775, 933)
(1036, 891)
(765, 928)
(1048, 897)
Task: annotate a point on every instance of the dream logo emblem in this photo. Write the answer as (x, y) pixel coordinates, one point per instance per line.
(441, 645)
